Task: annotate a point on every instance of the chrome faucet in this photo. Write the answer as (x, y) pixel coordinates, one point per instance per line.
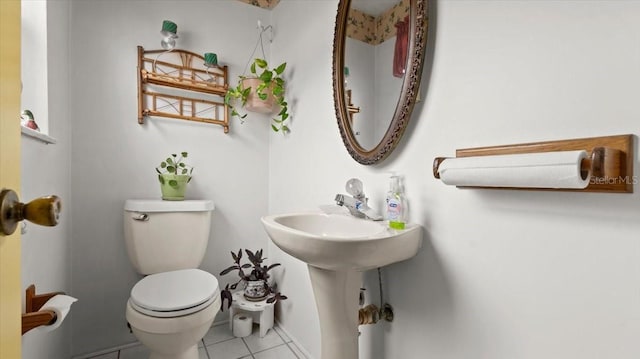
(352, 204)
(357, 205)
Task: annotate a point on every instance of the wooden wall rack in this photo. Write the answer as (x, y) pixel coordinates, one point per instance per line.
(610, 161)
(177, 84)
(33, 317)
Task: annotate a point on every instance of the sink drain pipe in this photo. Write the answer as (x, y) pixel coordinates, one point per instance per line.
(371, 313)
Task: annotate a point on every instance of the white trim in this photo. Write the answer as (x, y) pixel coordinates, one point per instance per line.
(37, 135)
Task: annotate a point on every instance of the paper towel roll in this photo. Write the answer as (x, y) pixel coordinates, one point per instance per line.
(242, 325)
(531, 170)
(59, 304)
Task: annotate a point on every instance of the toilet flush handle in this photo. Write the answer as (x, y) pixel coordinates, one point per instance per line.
(141, 217)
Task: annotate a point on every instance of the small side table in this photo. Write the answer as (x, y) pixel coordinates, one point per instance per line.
(261, 312)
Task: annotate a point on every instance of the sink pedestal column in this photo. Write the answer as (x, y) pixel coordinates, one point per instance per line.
(336, 293)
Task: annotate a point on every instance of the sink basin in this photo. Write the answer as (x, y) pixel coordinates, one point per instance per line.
(337, 248)
(338, 241)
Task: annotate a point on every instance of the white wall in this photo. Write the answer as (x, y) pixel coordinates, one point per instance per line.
(502, 274)
(46, 170)
(34, 56)
(114, 157)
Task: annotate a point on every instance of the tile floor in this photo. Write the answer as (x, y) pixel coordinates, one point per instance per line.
(219, 343)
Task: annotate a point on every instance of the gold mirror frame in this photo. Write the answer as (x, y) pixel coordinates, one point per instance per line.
(409, 90)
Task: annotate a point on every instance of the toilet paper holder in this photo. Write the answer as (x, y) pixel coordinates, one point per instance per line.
(33, 316)
(610, 160)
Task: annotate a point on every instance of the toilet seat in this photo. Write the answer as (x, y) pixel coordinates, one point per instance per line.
(175, 293)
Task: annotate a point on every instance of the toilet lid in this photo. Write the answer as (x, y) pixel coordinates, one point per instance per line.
(184, 291)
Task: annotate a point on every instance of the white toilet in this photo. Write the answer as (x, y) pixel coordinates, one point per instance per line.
(173, 307)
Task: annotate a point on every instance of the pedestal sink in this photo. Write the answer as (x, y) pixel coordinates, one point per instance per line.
(338, 248)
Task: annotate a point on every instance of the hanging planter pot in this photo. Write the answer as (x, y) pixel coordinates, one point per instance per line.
(262, 91)
(254, 102)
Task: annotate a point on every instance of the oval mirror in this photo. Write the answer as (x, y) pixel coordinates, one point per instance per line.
(378, 54)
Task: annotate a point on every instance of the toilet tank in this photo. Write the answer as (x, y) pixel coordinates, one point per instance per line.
(162, 236)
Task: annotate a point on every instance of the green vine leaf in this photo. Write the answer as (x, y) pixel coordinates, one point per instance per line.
(261, 63)
(280, 69)
(266, 76)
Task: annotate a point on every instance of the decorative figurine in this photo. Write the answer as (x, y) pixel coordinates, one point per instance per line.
(27, 120)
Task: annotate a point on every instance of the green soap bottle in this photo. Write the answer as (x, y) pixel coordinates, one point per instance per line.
(396, 204)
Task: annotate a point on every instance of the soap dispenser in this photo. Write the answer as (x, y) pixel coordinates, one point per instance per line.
(396, 204)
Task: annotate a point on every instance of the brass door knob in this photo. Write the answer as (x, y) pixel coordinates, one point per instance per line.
(44, 211)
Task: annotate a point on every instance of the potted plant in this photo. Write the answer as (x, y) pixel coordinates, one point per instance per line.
(261, 92)
(174, 174)
(255, 275)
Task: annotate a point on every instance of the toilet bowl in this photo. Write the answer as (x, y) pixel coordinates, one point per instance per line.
(170, 312)
(172, 308)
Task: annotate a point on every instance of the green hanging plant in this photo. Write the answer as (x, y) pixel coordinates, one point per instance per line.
(265, 86)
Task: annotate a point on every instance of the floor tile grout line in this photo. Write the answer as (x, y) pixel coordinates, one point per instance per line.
(205, 349)
(281, 337)
(247, 345)
(222, 341)
(287, 344)
(273, 347)
(293, 351)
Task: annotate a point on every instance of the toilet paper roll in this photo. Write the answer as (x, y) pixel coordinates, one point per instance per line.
(59, 304)
(531, 170)
(242, 325)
